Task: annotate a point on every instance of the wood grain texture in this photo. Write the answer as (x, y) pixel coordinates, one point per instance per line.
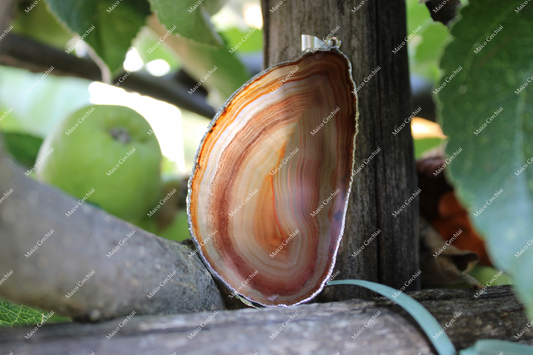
(368, 35)
(313, 329)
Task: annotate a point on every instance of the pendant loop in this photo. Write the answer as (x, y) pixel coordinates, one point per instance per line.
(333, 42)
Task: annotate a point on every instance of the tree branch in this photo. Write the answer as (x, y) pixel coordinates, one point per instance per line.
(90, 265)
(310, 328)
(20, 52)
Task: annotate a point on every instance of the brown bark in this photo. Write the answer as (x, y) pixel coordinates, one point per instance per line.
(369, 34)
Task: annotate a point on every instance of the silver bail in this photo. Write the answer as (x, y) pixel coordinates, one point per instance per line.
(312, 44)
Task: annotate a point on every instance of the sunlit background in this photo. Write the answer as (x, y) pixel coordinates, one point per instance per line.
(179, 131)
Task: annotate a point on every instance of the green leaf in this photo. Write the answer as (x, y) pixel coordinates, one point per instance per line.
(189, 18)
(487, 111)
(109, 26)
(227, 72)
(23, 147)
(12, 315)
(39, 24)
(213, 6)
(250, 40)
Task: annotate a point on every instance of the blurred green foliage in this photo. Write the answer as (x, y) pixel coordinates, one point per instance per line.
(23, 147)
(425, 144)
(150, 48)
(190, 18)
(427, 45)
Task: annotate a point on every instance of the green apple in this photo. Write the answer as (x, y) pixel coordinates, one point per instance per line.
(108, 149)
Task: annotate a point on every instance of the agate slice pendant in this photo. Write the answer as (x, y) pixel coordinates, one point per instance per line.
(272, 176)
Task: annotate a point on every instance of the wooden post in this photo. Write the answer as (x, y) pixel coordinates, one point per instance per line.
(369, 31)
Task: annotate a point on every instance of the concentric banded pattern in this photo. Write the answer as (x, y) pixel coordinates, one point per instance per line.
(269, 190)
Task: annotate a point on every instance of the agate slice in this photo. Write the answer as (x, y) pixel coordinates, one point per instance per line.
(269, 189)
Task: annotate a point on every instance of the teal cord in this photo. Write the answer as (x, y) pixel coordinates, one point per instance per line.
(427, 322)
(431, 327)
